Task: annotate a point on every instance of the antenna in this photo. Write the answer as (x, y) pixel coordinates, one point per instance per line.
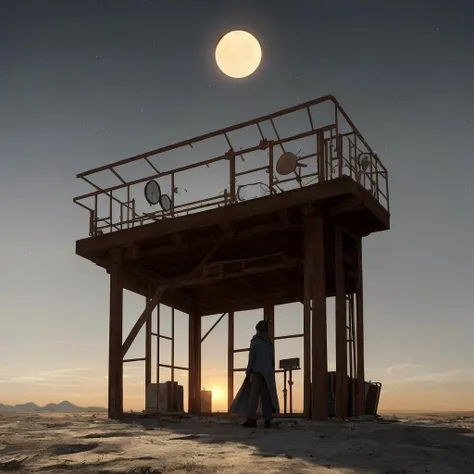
(287, 163)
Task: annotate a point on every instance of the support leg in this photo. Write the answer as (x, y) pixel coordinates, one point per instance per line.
(269, 317)
(158, 340)
(194, 363)
(308, 269)
(341, 408)
(230, 360)
(360, 333)
(314, 257)
(148, 350)
(115, 402)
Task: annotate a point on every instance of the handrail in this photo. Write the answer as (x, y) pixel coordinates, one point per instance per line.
(333, 154)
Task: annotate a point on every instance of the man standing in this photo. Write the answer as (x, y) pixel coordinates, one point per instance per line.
(261, 373)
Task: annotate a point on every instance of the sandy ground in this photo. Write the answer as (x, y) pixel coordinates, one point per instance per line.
(88, 443)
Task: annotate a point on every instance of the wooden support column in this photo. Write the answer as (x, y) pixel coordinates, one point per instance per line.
(115, 402)
(360, 333)
(194, 395)
(148, 349)
(314, 259)
(158, 358)
(308, 271)
(341, 405)
(230, 360)
(269, 317)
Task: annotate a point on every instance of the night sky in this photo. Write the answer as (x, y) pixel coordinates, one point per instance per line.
(85, 83)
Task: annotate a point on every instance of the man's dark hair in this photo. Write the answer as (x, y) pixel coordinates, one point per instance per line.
(262, 326)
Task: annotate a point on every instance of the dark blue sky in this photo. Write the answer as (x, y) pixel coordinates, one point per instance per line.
(85, 83)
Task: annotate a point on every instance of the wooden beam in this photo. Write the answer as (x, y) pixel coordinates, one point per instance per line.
(157, 297)
(158, 329)
(115, 379)
(341, 406)
(216, 217)
(279, 297)
(215, 271)
(172, 343)
(213, 326)
(230, 360)
(314, 236)
(360, 332)
(148, 352)
(150, 306)
(269, 317)
(192, 363)
(194, 389)
(308, 271)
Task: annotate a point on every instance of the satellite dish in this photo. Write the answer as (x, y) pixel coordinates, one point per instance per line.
(165, 202)
(364, 161)
(152, 193)
(287, 163)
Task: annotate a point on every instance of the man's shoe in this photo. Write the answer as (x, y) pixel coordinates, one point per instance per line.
(249, 424)
(268, 424)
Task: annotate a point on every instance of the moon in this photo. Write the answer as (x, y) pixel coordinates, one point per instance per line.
(238, 54)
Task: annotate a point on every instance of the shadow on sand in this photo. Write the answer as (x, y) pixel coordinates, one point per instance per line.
(376, 446)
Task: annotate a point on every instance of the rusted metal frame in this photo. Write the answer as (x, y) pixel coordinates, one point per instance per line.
(289, 336)
(213, 326)
(310, 117)
(158, 295)
(152, 165)
(136, 359)
(245, 349)
(236, 153)
(307, 292)
(230, 360)
(176, 367)
(82, 205)
(354, 128)
(158, 358)
(320, 155)
(338, 141)
(198, 165)
(290, 263)
(115, 373)
(269, 317)
(210, 135)
(255, 170)
(194, 378)
(148, 336)
(117, 175)
(315, 299)
(172, 344)
(111, 197)
(352, 336)
(277, 135)
(360, 333)
(288, 180)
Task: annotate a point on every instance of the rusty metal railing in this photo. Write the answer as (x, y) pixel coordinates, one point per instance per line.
(319, 132)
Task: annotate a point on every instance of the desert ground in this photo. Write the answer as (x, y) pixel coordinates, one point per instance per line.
(90, 443)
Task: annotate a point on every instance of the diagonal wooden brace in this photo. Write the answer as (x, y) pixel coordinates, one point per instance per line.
(151, 304)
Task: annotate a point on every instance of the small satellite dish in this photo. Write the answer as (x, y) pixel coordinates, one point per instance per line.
(152, 193)
(165, 202)
(287, 163)
(364, 161)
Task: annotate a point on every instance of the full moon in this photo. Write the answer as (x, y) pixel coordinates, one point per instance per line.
(238, 54)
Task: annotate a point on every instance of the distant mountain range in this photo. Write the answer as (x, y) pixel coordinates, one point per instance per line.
(63, 407)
